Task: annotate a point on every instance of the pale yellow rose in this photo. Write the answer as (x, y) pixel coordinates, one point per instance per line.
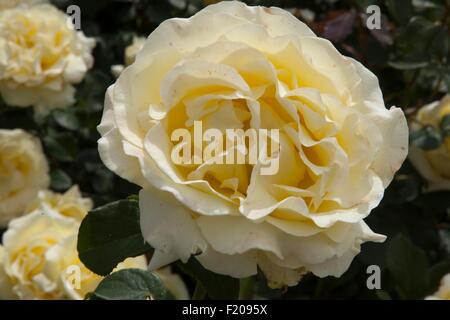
(443, 292)
(7, 4)
(70, 204)
(26, 244)
(41, 57)
(237, 67)
(39, 260)
(433, 165)
(64, 267)
(23, 172)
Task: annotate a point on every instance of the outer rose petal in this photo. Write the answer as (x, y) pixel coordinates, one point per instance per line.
(111, 148)
(392, 124)
(236, 265)
(161, 213)
(279, 22)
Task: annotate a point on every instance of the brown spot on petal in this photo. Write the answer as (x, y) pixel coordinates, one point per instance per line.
(268, 10)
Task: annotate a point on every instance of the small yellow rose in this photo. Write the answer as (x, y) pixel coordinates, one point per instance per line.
(39, 257)
(23, 172)
(39, 260)
(433, 165)
(26, 245)
(41, 57)
(71, 204)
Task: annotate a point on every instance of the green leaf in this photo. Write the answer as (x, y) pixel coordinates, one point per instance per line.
(427, 138)
(434, 202)
(110, 234)
(61, 146)
(131, 284)
(247, 288)
(60, 180)
(408, 266)
(409, 48)
(444, 236)
(405, 65)
(424, 4)
(400, 10)
(66, 118)
(436, 273)
(218, 287)
(91, 91)
(102, 181)
(382, 295)
(440, 43)
(363, 4)
(445, 125)
(133, 197)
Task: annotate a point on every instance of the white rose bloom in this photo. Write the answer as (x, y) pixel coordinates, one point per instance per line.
(433, 165)
(71, 204)
(39, 260)
(26, 244)
(443, 292)
(62, 264)
(7, 4)
(23, 172)
(233, 66)
(41, 57)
